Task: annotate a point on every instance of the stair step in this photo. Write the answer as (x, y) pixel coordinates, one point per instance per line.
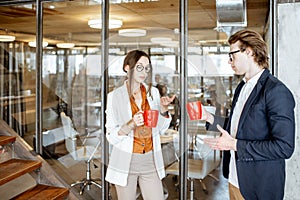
(6, 139)
(14, 168)
(41, 192)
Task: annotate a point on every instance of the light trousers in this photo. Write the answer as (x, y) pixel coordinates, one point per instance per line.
(143, 172)
(234, 193)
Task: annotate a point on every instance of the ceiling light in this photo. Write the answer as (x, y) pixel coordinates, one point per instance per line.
(97, 23)
(158, 40)
(170, 44)
(126, 1)
(65, 45)
(7, 38)
(33, 44)
(132, 32)
(212, 41)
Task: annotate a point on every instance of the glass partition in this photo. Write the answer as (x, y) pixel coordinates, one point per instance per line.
(72, 84)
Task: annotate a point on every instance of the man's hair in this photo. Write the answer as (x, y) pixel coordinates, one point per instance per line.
(252, 39)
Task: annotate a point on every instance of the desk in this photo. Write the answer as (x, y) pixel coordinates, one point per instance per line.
(164, 139)
(197, 148)
(10, 100)
(53, 136)
(12, 105)
(168, 137)
(25, 117)
(50, 139)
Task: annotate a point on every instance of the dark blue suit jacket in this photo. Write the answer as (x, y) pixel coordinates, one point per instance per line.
(266, 137)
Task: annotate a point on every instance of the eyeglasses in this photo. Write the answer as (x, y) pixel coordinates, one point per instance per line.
(140, 68)
(231, 53)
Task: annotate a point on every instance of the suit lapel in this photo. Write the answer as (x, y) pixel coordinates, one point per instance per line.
(255, 92)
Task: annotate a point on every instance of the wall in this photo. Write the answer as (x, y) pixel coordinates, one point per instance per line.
(288, 71)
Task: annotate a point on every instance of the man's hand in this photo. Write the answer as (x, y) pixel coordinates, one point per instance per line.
(224, 142)
(207, 116)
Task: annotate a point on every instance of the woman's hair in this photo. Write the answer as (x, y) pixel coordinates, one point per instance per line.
(162, 89)
(131, 59)
(252, 39)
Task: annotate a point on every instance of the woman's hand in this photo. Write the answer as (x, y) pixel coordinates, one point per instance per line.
(138, 118)
(224, 142)
(164, 102)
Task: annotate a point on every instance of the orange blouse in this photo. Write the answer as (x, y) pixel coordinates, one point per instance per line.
(142, 142)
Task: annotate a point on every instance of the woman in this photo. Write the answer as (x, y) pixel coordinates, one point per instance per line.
(136, 155)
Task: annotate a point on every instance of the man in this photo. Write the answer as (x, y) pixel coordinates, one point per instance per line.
(260, 133)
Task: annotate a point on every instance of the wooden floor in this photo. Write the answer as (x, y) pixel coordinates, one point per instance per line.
(73, 171)
(216, 190)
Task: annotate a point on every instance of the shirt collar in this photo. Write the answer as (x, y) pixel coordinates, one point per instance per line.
(254, 79)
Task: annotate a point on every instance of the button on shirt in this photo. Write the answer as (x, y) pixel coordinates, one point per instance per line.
(244, 94)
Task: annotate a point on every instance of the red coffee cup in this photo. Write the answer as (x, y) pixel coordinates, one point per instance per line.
(194, 110)
(150, 118)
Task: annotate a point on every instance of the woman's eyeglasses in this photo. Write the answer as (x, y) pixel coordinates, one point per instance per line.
(140, 68)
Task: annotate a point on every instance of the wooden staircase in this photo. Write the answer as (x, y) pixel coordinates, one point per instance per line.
(14, 168)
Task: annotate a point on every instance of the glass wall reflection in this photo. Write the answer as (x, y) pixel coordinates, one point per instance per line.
(72, 83)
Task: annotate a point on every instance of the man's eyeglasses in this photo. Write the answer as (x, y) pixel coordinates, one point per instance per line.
(231, 53)
(140, 68)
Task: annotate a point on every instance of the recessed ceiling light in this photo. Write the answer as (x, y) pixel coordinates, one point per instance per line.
(7, 38)
(132, 32)
(158, 40)
(33, 44)
(97, 23)
(170, 44)
(65, 45)
(127, 1)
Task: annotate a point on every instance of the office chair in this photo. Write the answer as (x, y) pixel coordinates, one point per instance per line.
(89, 150)
(200, 164)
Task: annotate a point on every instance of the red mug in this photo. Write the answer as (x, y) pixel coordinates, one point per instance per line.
(150, 118)
(194, 110)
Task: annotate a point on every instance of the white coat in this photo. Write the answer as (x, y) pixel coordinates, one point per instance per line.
(117, 114)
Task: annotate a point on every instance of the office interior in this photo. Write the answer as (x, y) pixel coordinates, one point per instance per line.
(58, 62)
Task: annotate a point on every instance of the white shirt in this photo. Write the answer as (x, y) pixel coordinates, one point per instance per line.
(244, 94)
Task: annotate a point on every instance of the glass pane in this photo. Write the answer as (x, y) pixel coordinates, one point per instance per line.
(72, 75)
(18, 73)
